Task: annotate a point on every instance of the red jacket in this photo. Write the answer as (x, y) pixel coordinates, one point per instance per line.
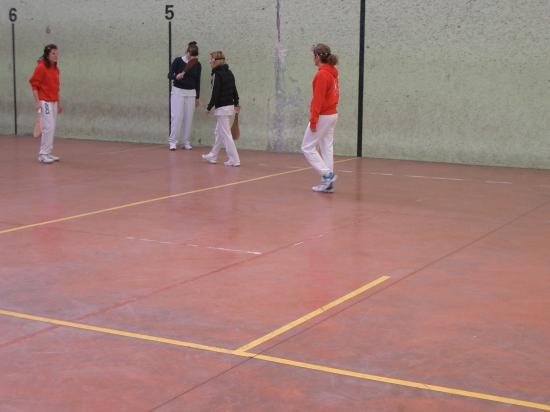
(46, 81)
(325, 93)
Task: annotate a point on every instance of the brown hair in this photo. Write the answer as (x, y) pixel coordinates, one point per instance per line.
(323, 51)
(218, 56)
(46, 55)
(193, 49)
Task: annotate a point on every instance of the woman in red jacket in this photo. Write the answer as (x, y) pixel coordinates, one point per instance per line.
(323, 118)
(45, 89)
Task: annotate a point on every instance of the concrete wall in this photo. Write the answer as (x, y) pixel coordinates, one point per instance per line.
(459, 81)
(445, 80)
(114, 61)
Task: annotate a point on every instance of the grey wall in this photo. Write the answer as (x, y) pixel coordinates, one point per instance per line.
(459, 81)
(452, 81)
(114, 60)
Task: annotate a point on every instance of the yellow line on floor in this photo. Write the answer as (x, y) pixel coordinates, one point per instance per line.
(282, 361)
(311, 315)
(156, 199)
(401, 382)
(115, 332)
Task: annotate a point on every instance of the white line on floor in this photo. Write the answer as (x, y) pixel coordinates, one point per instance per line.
(436, 178)
(158, 241)
(250, 252)
(380, 174)
(150, 240)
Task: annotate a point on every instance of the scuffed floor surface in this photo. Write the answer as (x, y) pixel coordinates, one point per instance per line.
(133, 278)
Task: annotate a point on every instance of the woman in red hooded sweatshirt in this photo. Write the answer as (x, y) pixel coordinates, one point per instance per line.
(323, 118)
(45, 89)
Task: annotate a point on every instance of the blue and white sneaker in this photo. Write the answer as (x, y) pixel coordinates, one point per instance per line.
(323, 187)
(326, 183)
(330, 178)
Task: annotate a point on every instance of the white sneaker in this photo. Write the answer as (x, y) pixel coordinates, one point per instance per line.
(323, 188)
(45, 159)
(54, 157)
(209, 158)
(187, 147)
(231, 163)
(171, 148)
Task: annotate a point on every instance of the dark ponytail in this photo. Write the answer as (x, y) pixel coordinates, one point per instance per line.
(323, 51)
(332, 59)
(193, 49)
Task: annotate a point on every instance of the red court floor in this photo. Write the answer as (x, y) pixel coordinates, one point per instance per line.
(137, 279)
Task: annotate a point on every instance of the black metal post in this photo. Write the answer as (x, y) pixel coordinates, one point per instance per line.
(14, 78)
(361, 80)
(169, 81)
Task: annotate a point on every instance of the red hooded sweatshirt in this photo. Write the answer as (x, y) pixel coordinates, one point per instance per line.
(46, 81)
(325, 93)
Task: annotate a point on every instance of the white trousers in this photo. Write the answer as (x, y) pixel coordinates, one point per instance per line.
(181, 116)
(323, 160)
(222, 135)
(48, 116)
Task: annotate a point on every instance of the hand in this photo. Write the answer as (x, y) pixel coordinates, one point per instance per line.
(179, 76)
(207, 111)
(197, 103)
(60, 108)
(313, 128)
(237, 109)
(37, 106)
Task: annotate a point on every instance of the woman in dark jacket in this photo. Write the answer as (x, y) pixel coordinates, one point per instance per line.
(185, 73)
(225, 99)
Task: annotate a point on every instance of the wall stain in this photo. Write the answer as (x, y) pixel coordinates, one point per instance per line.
(285, 116)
